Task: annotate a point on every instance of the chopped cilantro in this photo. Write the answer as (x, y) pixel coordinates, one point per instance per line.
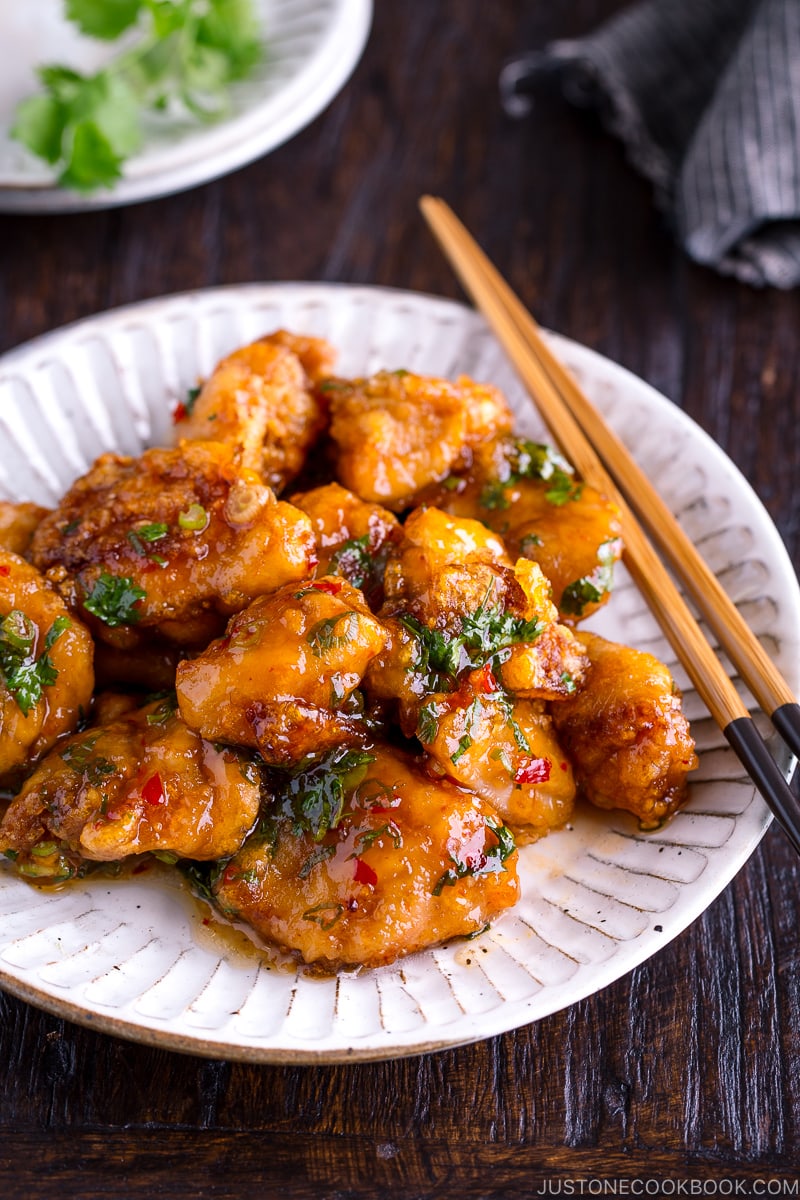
(428, 721)
(528, 543)
(325, 915)
(591, 588)
(368, 837)
(352, 559)
(563, 488)
(318, 856)
(491, 862)
(26, 676)
(493, 495)
(321, 637)
(473, 714)
(484, 635)
(315, 792)
(80, 757)
(113, 598)
(165, 709)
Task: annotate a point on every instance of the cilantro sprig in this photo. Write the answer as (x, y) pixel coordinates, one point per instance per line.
(187, 54)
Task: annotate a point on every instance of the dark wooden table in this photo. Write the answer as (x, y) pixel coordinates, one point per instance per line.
(689, 1068)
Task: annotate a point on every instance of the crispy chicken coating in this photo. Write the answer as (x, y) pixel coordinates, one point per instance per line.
(504, 750)
(18, 523)
(260, 400)
(406, 862)
(46, 671)
(170, 544)
(432, 542)
(454, 603)
(317, 356)
(282, 678)
(528, 494)
(397, 433)
(142, 782)
(353, 536)
(624, 730)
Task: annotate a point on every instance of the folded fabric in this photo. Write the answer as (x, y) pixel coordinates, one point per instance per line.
(706, 97)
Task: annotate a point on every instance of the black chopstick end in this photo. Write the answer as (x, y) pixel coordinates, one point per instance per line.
(786, 719)
(752, 751)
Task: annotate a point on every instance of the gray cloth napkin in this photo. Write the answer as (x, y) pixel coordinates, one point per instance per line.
(705, 94)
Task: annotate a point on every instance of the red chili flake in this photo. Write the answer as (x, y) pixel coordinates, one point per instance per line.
(486, 680)
(230, 874)
(140, 868)
(206, 920)
(563, 766)
(331, 586)
(153, 790)
(179, 413)
(364, 873)
(5, 571)
(537, 770)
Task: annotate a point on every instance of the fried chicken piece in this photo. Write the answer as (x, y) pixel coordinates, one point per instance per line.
(406, 863)
(46, 671)
(142, 782)
(353, 536)
(626, 734)
(504, 750)
(433, 541)
(282, 678)
(18, 524)
(528, 494)
(168, 545)
(261, 401)
(317, 356)
(397, 432)
(454, 603)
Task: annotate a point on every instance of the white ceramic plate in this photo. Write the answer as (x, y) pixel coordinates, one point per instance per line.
(134, 958)
(312, 48)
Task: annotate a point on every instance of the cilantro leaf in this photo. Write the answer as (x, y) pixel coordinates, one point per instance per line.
(112, 600)
(105, 19)
(230, 27)
(39, 124)
(490, 862)
(92, 162)
(353, 560)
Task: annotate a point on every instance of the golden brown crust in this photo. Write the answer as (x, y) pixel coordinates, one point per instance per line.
(197, 535)
(626, 734)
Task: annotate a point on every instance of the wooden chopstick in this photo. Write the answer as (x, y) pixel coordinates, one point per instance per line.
(733, 633)
(480, 280)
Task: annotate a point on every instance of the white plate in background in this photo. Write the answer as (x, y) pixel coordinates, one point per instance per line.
(133, 957)
(312, 47)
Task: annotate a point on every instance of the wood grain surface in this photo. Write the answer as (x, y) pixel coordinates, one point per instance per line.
(689, 1068)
